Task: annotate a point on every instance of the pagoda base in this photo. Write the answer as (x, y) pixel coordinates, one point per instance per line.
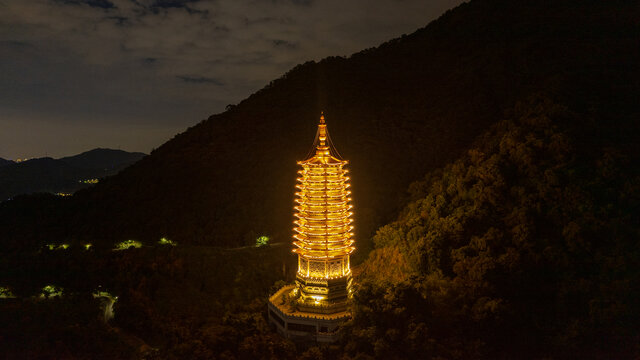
(326, 296)
(303, 325)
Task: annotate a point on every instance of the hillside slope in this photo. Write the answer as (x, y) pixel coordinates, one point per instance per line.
(395, 111)
(533, 232)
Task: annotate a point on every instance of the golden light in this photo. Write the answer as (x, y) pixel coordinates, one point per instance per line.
(318, 303)
(323, 232)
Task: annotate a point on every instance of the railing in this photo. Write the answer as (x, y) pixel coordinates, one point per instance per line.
(283, 309)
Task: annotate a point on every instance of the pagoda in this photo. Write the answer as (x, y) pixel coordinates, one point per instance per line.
(317, 304)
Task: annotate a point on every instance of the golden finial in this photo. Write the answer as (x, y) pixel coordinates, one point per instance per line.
(321, 117)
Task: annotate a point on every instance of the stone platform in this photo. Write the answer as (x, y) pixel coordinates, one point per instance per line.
(306, 326)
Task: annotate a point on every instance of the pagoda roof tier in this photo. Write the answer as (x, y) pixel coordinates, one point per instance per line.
(322, 202)
(323, 216)
(323, 254)
(306, 182)
(323, 246)
(323, 192)
(318, 226)
(322, 211)
(329, 188)
(323, 223)
(324, 205)
(322, 172)
(314, 181)
(324, 197)
(321, 238)
(337, 187)
(323, 161)
(324, 232)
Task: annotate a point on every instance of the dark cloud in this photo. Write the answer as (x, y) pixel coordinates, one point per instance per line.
(14, 44)
(268, 19)
(172, 3)
(199, 80)
(103, 4)
(158, 6)
(284, 44)
(221, 28)
(149, 61)
(119, 20)
(303, 2)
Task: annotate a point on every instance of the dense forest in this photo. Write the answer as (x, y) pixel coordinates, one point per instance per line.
(527, 246)
(496, 177)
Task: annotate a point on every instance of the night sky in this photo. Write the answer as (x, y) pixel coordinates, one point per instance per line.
(80, 74)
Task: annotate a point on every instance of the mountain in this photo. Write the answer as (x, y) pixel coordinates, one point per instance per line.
(64, 175)
(396, 111)
(513, 127)
(4, 162)
(106, 159)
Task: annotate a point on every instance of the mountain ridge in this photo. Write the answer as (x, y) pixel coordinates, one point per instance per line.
(102, 158)
(4, 162)
(63, 175)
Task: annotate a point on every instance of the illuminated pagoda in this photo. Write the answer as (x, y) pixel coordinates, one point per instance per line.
(316, 305)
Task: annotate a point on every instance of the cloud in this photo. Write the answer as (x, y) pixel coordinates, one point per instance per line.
(302, 2)
(118, 20)
(149, 61)
(284, 44)
(139, 60)
(172, 3)
(103, 4)
(200, 80)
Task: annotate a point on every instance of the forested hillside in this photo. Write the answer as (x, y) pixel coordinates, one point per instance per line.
(526, 247)
(396, 111)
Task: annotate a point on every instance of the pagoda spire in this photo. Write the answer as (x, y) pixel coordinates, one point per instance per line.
(322, 149)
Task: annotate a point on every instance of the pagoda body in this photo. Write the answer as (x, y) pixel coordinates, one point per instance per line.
(315, 306)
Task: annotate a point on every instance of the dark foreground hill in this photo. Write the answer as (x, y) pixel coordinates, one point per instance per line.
(395, 111)
(64, 175)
